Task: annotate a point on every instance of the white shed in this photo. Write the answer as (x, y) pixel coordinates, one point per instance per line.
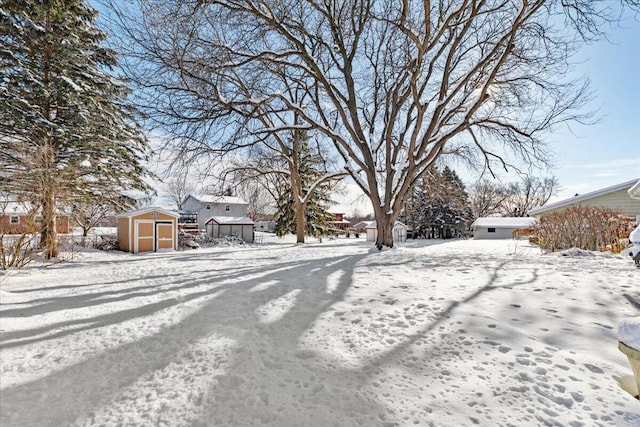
(501, 228)
(221, 226)
(399, 232)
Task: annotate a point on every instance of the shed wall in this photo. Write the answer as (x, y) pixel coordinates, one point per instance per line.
(124, 243)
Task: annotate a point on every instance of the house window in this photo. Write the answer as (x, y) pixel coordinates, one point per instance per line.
(226, 207)
(491, 230)
(208, 206)
(14, 219)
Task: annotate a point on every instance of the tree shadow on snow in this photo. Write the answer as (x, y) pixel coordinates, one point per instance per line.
(63, 396)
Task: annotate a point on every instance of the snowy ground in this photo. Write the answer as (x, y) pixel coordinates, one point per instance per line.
(336, 333)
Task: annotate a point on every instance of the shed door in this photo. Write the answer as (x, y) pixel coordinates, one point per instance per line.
(164, 235)
(144, 236)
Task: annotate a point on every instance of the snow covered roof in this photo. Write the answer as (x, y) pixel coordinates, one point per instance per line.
(505, 222)
(13, 208)
(145, 210)
(210, 198)
(230, 220)
(373, 224)
(634, 191)
(342, 221)
(576, 199)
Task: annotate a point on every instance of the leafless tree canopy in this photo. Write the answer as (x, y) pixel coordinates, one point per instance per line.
(392, 84)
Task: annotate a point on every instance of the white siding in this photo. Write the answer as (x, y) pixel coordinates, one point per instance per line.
(500, 233)
(618, 200)
(215, 209)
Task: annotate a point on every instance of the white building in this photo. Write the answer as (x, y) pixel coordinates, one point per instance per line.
(221, 226)
(399, 232)
(206, 206)
(501, 228)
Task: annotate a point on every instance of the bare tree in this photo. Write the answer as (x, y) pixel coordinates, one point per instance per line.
(178, 188)
(487, 198)
(529, 193)
(392, 84)
(88, 213)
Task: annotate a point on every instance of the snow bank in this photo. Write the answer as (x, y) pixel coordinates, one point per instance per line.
(629, 332)
(431, 333)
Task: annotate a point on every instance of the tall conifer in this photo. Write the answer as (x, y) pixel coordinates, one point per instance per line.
(66, 130)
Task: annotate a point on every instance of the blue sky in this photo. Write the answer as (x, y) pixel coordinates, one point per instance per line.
(606, 153)
(589, 157)
(592, 157)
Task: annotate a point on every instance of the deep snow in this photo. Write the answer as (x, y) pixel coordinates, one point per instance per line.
(446, 333)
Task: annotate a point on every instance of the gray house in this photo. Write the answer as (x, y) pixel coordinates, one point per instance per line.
(206, 206)
(501, 227)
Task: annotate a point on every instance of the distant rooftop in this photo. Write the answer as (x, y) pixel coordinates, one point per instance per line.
(210, 198)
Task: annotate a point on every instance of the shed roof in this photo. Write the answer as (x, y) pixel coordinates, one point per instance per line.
(628, 185)
(210, 198)
(146, 210)
(230, 220)
(505, 222)
(373, 224)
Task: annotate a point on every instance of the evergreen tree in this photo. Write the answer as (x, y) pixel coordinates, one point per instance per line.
(66, 131)
(439, 203)
(315, 214)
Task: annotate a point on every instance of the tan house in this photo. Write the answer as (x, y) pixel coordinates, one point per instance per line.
(617, 197)
(148, 230)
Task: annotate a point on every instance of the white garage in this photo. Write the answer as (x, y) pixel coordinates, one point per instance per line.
(501, 227)
(221, 226)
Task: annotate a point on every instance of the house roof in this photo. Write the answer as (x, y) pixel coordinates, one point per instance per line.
(505, 222)
(577, 199)
(14, 208)
(145, 210)
(634, 191)
(210, 198)
(373, 224)
(230, 220)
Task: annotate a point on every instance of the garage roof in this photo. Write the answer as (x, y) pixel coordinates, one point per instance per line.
(230, 220)
(505, 222)
(146, 210)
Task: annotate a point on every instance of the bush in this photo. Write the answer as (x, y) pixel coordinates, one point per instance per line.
(17, 250)
(589, 228)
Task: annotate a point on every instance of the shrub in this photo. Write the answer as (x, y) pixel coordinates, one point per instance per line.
(17, 250)
(589, 228)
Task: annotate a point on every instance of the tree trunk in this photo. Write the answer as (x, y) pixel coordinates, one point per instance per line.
(384, 225)
(48, 238)
(299, 206)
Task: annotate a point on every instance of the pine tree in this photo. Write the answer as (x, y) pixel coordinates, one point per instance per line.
(439, 203)
(66, 130)
(315, 213)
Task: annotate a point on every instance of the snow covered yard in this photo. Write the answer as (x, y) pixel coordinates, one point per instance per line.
(444, 333)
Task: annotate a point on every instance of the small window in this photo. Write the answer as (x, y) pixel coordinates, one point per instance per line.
(208, 206)
(154, 214)
(14, 219)
(226, 207)
(38, 219)
(491, 230)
